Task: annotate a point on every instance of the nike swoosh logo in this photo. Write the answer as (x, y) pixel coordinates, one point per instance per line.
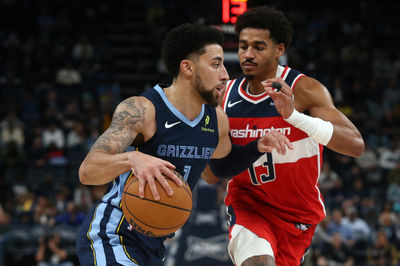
(234, 103)
(171, 125)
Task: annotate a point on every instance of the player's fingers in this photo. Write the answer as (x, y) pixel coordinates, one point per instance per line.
(281, 139)
(278, 145)
(165, 185)
(168, 164)
(276, 85)
(173, 175)
(273, 141)
(142, 183)
(153, 188)
(288, 143)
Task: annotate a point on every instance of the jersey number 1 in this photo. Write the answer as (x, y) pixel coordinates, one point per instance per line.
(263, 173)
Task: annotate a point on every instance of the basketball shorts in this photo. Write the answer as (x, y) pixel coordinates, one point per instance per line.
(105, 238)
(252, 234)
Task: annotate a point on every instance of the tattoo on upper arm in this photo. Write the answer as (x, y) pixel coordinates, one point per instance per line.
(120, 134)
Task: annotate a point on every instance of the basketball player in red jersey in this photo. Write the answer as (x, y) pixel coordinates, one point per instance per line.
(275, 205)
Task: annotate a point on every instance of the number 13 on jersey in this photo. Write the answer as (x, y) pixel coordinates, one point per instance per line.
(263, 173)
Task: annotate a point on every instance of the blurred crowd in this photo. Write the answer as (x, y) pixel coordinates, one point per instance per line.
(58, 91)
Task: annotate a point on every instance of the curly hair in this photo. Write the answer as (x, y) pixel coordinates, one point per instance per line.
(265, 17)
(185, 41)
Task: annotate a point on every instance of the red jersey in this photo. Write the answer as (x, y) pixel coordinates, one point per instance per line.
(285, 185)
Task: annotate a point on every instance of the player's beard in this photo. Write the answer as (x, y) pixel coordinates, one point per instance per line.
(249, 77)
(208, 96)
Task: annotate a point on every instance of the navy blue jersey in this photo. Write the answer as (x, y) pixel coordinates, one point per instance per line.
(105, 237)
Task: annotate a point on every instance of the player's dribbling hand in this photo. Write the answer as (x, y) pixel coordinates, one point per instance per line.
(148, 168)
(283, 97)
(274, 140)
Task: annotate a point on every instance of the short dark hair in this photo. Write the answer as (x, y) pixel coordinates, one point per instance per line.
(264, 17)
(185, 41)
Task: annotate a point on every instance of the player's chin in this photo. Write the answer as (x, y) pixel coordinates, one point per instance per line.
(249, 70)
(214, 101)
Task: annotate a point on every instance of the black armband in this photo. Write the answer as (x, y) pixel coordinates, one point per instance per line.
(239, 159)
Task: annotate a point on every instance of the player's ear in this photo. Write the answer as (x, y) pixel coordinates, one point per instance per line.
(280, 49)
(187, 67)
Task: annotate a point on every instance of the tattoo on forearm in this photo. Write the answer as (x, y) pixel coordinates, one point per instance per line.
(120, 133)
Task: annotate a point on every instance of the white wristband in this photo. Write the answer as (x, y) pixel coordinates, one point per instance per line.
(319, 130)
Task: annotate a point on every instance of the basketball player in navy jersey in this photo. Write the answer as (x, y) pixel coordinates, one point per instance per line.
(173, 127)
(275, 205)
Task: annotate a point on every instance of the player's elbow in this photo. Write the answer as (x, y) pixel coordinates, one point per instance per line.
(208, 176)
(359, 149)
(356, 149)
(84, 176)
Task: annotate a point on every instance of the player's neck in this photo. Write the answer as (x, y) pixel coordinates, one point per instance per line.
(254, 87)
(184, 99)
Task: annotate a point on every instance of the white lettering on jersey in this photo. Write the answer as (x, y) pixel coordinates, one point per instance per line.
(256, 133)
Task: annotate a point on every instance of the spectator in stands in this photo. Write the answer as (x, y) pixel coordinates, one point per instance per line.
(53, 134)
(24, 209)
(71, 216)
(109, 91)
(68, 75)
(51, 253)
(44, 212)
(5, 219)
(71, 115)
(83, 50)
(361, 232)
(337, 253)
(368, 159)
(13, 157)
(61, 198)
(36, 153)
(76, 137)
(386, 223)
(328, 180)
(393, 189)
(12, 130)
(321, 236)
(55, 155)
(389, 158)
(336, 225)
(382, 253)
(82, 197)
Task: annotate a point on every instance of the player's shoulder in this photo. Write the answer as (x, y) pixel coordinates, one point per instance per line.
(310, 92)
(135, 102)
(136, 106)
(308, 85)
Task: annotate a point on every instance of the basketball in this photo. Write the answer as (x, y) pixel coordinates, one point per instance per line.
(156, 218)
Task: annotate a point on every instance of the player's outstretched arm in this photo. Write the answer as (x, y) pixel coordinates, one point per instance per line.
(107, 158)
(229, 160)
(325, 124)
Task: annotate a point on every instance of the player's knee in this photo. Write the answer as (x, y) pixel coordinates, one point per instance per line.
(264, 260)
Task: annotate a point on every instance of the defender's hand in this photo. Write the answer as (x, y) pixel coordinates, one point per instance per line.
(274, 139)
(283, 98)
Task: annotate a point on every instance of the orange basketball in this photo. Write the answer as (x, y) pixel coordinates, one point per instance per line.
(156, 218)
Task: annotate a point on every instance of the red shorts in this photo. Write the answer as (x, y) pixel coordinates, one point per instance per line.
(288, 240)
